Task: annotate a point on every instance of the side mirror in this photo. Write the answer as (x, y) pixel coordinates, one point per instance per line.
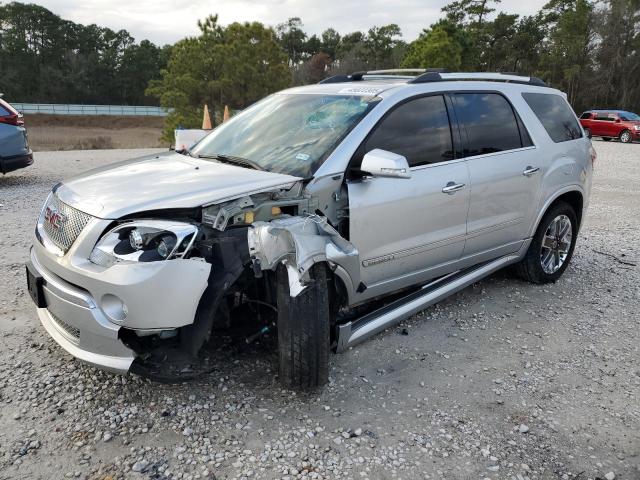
(617, 120)
(380, 163)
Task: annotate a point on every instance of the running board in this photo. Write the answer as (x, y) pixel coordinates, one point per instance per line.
(357, 331)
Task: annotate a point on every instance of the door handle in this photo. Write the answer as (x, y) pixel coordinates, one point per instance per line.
(530, 171)
(451, 188)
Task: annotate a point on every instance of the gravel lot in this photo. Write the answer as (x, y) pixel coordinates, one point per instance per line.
(504, 380)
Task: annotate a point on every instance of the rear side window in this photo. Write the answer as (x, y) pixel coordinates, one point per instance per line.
(418, 129)
(585, 116)
(555, 114)
(490, 123)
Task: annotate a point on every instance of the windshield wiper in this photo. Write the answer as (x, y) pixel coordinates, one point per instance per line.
(243, 162)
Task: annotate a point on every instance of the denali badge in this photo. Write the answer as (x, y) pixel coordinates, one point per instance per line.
(54, 217)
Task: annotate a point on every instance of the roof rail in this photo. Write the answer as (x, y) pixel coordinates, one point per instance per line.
(428, 75)
(495, 77)
(381, 74)
(395, 70)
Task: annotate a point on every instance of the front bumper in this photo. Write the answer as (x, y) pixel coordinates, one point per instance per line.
(73, 320)
(78, 298)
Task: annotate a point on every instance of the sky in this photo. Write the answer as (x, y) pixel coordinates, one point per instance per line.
(166, 21)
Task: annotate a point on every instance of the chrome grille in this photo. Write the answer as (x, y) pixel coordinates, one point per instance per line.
(75, 221)
(71, 331)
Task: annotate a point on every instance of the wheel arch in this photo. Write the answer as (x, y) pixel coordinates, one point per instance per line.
(622, 132)
(573, 195)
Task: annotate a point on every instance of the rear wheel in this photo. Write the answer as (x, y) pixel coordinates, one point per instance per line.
(587, 132)
(304, 330)
(626, 137)
(552, 246)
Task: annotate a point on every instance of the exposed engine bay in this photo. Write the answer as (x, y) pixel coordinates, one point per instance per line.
(245, 241)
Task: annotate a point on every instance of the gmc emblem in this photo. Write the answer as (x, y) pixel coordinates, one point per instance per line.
(54, 217)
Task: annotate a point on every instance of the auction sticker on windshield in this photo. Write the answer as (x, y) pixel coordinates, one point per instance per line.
(373, 91)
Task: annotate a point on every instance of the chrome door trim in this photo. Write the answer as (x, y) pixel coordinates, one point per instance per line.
(503, 152)
(491, 228)
(484, 155)
(437, 164)
(368, 262)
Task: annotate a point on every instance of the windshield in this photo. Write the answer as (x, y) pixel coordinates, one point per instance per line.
(629, 117)
(287, 133)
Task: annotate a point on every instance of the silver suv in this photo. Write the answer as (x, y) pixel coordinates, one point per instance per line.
(326, 213)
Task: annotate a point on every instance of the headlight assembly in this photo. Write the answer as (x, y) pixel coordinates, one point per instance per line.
(144, 241)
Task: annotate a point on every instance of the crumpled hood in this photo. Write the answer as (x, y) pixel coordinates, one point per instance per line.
(163, 181)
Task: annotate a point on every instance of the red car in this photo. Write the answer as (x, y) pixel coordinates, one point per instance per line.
(610, 124)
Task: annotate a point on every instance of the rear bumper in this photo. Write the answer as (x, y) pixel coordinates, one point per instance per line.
(9, 164)
(73, 320)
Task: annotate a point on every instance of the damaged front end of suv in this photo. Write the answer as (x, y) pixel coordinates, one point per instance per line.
(138, 266)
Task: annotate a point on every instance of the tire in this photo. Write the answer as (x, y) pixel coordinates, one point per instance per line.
(606, 139)
(304, 331)
(587, 132)
(626, 136)
(537, 266)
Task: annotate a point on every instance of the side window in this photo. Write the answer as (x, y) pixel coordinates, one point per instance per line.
(418, 129)
(489, 122)
(524, 134)
(604, 117)
(555, 114)
(585, 116)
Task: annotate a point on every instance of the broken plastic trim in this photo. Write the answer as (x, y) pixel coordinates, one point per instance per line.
(298, 243)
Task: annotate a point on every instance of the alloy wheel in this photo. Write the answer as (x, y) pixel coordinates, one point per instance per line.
(556, 244)
(625, 137)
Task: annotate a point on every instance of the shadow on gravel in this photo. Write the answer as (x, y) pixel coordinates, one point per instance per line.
(18, 181)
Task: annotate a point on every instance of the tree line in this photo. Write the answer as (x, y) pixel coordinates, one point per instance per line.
(46, 59)
(589, 49)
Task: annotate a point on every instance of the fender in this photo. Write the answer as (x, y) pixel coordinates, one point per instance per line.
(574, 187)
(299, 243)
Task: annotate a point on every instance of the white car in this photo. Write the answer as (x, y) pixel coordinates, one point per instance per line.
(327, 212)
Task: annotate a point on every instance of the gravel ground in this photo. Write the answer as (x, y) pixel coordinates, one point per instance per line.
(505, 380)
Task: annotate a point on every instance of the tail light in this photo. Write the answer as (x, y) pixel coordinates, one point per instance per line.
(594, 155)
(14, 119)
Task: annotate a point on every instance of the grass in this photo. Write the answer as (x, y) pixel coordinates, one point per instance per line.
(88, 132)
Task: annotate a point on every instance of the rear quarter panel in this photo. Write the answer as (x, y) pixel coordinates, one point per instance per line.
(566, 166)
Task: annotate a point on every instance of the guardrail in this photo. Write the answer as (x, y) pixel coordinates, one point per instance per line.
(71, 109)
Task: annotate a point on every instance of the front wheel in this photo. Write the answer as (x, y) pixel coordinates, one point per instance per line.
(626, 137)
(304, 330)
(552, 246)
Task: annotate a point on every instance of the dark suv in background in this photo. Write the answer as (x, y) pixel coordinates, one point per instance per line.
(14, 145)
(610, 124)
